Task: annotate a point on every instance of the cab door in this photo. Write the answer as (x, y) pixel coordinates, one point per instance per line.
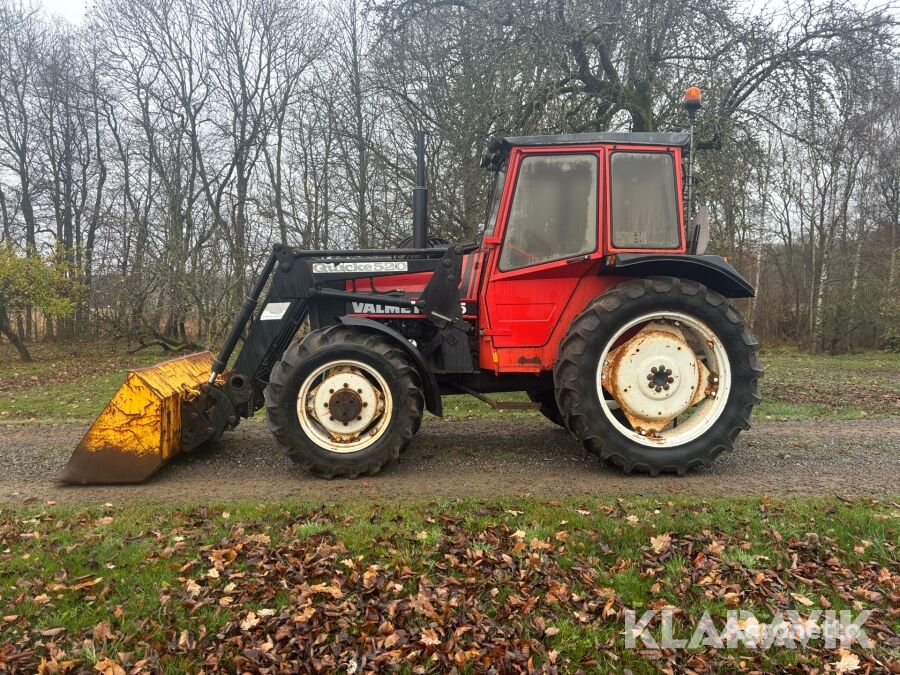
(546, 239)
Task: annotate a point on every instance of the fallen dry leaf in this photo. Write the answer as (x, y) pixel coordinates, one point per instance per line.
(848, 663)
(249, 621)
(109, 667)
(661, 543)
(430, 637)
(802, 599)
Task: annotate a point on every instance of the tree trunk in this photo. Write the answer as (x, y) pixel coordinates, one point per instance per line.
(760, 236)
(7, 330)
(819, 308)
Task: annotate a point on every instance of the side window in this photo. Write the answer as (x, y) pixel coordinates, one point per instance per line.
(554, 210)
(494, 203)
(644, 208)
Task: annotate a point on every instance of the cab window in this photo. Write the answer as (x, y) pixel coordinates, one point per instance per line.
(494, 201)
(553, 215)
(644, 208)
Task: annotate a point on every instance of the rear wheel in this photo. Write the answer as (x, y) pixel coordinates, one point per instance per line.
(344, 402)
(658, 375)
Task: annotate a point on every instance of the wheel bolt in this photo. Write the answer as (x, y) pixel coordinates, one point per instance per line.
(346, 385)
(666, 387)
(325, 404)
(365, 404)
(659, 389)
(359, 418)
(345, 424)
(650, 377)
(359, 391)
(653, 369)
(670, 380)
(331, 419)
(331, 391)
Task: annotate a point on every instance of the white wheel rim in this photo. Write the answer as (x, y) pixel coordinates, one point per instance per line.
(370, 399)
(631, 378)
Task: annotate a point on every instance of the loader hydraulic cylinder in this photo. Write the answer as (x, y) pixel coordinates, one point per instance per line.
(243, 317)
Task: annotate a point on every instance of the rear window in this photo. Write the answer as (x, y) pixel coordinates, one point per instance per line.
(644, 207)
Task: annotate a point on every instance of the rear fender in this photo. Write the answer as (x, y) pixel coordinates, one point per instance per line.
(710, 270)
(429, 382)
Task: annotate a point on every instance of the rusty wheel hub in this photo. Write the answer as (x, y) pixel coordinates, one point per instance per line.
(345, 404)
(660, 373)
(660, 378)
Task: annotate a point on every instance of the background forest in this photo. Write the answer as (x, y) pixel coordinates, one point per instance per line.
(150, 156)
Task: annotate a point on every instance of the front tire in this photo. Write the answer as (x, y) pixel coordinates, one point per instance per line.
(666, 316)
(344, 402)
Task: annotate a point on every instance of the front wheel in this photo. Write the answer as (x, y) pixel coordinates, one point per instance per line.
(658, 375)
(344, 402)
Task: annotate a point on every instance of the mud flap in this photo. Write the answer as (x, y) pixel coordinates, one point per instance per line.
(141, 427)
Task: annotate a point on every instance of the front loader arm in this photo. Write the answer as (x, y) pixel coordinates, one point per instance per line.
(173, 407)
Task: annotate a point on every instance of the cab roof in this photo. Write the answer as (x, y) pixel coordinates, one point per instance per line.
(618, 138)
(499, 149)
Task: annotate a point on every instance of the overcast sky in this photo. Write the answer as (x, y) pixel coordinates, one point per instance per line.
(73, 10)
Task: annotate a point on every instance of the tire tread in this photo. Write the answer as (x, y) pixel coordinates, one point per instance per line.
(408, 415)
(605, 310)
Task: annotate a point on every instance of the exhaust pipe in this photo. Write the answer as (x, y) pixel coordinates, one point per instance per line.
(420, 196)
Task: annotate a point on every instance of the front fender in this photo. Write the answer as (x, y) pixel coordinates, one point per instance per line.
(429, 382)
(710, 270)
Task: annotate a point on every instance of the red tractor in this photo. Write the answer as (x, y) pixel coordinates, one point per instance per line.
(587, 291)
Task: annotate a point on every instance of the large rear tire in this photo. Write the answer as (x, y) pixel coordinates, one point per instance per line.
(724, 350)
(344, 402)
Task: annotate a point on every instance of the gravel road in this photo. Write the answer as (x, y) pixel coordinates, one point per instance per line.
(472, 458)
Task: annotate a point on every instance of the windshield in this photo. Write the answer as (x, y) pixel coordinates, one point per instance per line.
(494, 202)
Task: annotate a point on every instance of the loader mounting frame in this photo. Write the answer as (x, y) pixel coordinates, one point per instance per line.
(312, 284)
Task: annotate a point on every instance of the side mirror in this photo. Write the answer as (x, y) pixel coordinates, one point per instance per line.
(700, 233)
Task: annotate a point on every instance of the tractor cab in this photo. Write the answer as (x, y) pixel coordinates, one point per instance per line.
(585, 194)
(562, 210)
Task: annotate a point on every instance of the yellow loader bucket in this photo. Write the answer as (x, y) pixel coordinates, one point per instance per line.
(140, 429)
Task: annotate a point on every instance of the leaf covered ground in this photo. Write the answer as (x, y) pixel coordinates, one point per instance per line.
(512, 585)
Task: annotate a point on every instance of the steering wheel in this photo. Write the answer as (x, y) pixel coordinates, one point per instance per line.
(532, 257)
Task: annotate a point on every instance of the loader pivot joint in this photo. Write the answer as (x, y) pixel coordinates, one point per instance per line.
(206, 416)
